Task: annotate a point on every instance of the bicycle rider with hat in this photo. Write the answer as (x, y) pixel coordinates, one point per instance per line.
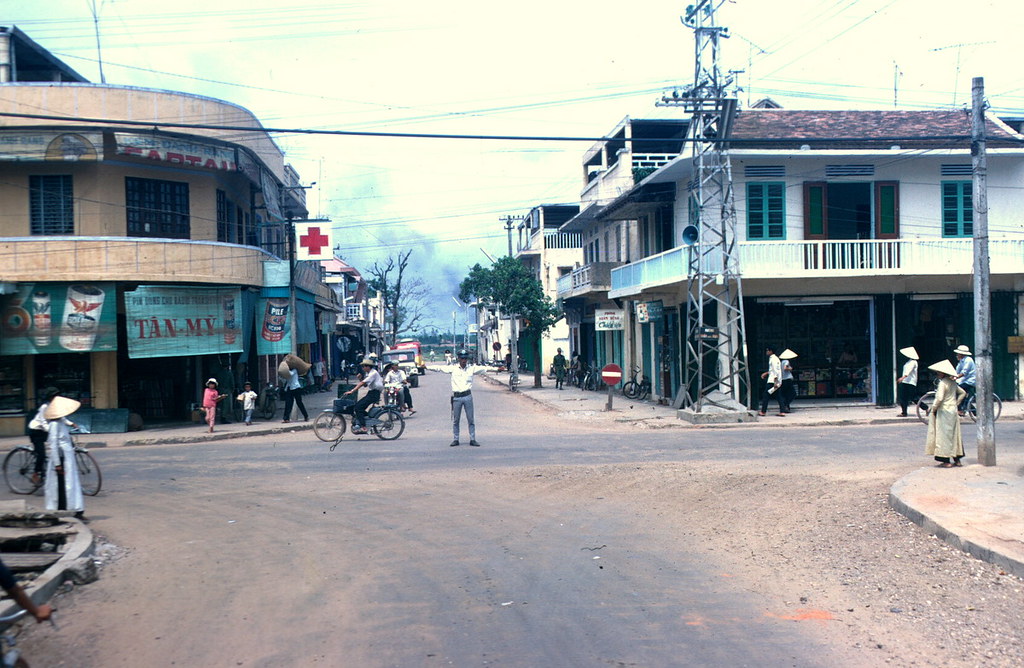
(966, 374)
(374, 385)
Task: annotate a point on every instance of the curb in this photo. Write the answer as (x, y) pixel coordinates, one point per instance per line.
(217, 436)
(896, 502)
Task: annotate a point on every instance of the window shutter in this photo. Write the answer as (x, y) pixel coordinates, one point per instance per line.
(815, 210)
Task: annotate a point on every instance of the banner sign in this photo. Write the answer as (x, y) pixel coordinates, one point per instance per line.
(176, 151)
(51, 146)
(173, 322)
(273, 330)
(58, 318)
(607, 319)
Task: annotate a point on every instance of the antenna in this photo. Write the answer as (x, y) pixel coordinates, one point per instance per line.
(96, 27)
(958, 47)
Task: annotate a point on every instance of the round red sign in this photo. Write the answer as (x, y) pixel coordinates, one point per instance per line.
(611, 374)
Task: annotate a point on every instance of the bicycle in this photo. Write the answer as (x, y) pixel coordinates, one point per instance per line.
(384, 422)
(971, 409)
(591, 378)
(268, 402)
(20, 470)
(637, 389)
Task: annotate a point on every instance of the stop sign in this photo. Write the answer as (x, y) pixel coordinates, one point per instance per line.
(611, 374)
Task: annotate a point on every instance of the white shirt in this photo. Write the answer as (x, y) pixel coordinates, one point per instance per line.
(293, 380)
(374, 381)
(462, 378)
(248, 399)
(787, 370)
(774, 370)
(910, 373)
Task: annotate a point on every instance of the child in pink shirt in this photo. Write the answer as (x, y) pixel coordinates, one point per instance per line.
(210, 400)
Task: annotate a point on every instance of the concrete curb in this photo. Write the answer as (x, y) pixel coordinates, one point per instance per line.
(45, 586)
(217, 436)
(897, 502)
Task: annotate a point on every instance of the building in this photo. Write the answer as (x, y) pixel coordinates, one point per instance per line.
(854, 231)
(549, 253)
(359, 325)
(140, 254)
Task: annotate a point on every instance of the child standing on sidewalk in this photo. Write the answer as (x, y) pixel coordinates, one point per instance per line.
(248, 399)
(210, 400)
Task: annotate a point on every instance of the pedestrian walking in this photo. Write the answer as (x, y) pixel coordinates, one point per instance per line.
(318, 374)
(945, 441)
(292, 369)
(374, 384)
(559, 364)
(248, 399)
(966, 374)
(773, 376)
(787, 389)
(62, 489)
(907, 383)
(462, 396)
(211, 397)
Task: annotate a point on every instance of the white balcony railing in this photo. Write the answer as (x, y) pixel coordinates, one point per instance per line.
(827, 259)
(592, 277)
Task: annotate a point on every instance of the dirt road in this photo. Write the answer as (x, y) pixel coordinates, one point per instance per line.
(554, 544)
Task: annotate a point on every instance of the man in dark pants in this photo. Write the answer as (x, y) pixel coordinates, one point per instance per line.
(374, 385)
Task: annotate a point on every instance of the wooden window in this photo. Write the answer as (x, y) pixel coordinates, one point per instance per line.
(51, 205)
(957, 209)
(815, 210)
(887, 210)
(766, 211)
(157, 208)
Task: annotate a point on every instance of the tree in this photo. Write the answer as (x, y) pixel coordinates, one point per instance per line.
(404, 298)
(510, 285)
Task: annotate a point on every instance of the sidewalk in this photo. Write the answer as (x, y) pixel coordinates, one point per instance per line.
(978, 509)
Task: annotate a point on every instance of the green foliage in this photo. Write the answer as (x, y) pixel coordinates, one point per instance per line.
(510, 285)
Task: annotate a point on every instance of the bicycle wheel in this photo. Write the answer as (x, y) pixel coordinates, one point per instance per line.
(391, 426)
(19, 465)
(923, 405)
(997, 407)
(644, 391)
(631, 389)
(329, 426)
(89, 476)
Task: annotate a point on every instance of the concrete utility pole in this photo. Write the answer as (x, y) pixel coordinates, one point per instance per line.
(509, 224)
(982, 293)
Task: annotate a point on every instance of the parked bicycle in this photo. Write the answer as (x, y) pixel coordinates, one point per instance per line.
(970, 410)
(591, 378)
(385, 422)
(20, 470)
(268, 401)
(639, 387)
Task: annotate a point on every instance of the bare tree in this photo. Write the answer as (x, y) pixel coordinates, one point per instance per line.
(404, 297)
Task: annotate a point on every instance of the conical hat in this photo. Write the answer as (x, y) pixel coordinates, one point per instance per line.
(945, 366)
(910, 352)
(61, 407)
(788, 354)
(283, 372)
(299, 364)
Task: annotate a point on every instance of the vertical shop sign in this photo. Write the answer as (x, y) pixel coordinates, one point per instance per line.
(175, 322)
(57, 318)
(274, 336)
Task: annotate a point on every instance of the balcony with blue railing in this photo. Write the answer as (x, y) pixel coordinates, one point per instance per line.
(825, 259)
(590, 278)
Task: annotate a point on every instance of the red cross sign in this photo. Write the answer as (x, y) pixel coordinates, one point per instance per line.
(313, 241)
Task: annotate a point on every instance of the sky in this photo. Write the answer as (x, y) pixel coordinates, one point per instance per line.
(569, 68)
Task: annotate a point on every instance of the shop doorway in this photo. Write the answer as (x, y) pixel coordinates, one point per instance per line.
(849, 211)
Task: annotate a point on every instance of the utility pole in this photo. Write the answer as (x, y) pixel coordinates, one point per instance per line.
(509, 224)
(715, 336)
(982, 293)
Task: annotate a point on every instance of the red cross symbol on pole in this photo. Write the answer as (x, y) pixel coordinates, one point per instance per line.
(314, 240)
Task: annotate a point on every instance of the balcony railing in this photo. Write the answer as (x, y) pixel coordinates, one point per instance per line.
(827, 259)
(553, 240)
(593, 277)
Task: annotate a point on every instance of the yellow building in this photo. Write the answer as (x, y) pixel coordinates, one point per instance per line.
(140, 243)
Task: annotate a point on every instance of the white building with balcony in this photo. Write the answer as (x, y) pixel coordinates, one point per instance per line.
(854, 232)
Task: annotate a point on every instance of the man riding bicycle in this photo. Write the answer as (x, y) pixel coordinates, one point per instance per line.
(966, 374)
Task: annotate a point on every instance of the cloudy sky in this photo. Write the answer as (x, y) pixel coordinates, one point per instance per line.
(569, 68)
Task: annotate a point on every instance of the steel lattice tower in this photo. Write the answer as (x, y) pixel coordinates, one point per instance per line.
(715, 337)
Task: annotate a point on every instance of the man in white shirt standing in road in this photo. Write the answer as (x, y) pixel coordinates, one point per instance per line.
(462, 395)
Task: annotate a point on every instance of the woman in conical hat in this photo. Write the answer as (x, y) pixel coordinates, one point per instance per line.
(945, 441)
(907, 383)
(63, 489)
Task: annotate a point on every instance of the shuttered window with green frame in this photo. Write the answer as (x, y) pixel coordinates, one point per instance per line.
(766, 211)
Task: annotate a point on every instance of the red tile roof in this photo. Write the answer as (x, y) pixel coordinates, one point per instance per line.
(770, 128)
